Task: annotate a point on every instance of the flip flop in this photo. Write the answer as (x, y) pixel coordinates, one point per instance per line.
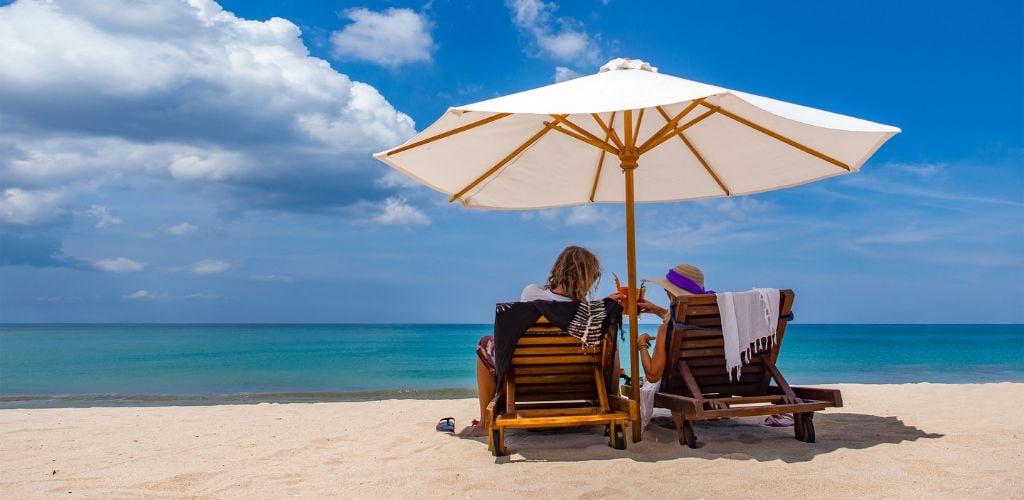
(446, 424)
(779, 421)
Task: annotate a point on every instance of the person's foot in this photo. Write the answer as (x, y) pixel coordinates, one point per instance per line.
(477, 429)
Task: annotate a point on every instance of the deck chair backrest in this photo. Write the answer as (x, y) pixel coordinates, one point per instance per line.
(550, 365)
(696, 337)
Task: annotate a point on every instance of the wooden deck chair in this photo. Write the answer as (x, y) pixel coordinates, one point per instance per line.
(553, 381)
(696, 385)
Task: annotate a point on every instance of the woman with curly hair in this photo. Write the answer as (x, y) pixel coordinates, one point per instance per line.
(573, 277)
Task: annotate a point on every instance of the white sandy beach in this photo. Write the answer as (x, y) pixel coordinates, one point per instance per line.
(888, 441)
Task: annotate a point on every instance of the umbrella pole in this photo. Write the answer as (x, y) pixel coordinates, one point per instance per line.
(634, 323)
(628, 156)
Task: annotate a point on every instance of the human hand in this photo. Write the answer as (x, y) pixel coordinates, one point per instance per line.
(646, 306)
(643, 339)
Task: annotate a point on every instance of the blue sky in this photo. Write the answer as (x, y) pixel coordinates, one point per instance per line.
(205, 162)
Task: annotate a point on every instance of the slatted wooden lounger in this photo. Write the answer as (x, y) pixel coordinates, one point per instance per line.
(696, 385)
(554, 382)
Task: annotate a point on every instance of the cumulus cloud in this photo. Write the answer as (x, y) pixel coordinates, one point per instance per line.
(209, 266)
(118, 265)
(562, 74)
(389, 38)
(27, 207)
(183, 229)
(102, 216)
(398, 212)
(559, 38)
(183, 91)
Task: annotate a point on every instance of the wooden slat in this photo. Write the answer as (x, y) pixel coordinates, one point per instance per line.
(696, 362)
(738, 389)
(550, 369)
(506, 421)
(554, 389)
(699, 343)
(705, 321)
(551, 350)
(555, 360)
(533, 340)
(706, 310)
(554, 379)
(553, 412)
(750, 411)
(698, 334)
(541, 329)
(752, 369)
(701, 353)
(561, 396)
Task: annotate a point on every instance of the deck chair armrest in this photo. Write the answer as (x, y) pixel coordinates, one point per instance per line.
(690, 407)
(820, 394)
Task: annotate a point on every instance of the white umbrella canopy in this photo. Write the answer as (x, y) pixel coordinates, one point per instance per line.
(673, 140)
(512, 152)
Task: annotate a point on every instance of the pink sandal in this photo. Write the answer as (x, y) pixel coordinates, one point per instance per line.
(779, 421)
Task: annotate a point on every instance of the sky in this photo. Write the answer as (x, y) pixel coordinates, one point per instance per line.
(197, 161)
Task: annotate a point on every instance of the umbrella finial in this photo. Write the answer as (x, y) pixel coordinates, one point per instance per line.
(627, 63)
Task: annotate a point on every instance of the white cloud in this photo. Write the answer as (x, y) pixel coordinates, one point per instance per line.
(203, 296)
(587, 215)
(272, 278)
(183, 229)
(395, 179)
(103, 218)
(209, 266)
(183, 91)
(118, 265)
(141, 295)
(924, 171)
(26, 207)
(389, 38)
(562, 74)
(398, 212)
(559, 38)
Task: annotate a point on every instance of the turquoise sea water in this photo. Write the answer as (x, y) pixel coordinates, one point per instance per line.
(83, 365)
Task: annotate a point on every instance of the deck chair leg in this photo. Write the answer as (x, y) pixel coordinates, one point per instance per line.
(685, 430)
(498, 441)
(617, 435)
(803, 426)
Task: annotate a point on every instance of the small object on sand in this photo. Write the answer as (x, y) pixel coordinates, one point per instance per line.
(446, 424)
(778, 421)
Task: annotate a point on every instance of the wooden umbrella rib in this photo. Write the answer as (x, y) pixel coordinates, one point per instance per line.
(609, 128)
(593, 142)
(442, 135)
(700, 158)
(578, 129)
(671, 123)
(522, 147)
(600, 164)
(639, 120)
(777, 136)
(627, 125)
(658, 141)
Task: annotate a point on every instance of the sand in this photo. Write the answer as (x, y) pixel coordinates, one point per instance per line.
(889, 441)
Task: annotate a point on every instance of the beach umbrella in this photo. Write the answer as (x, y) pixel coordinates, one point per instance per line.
(672, 140)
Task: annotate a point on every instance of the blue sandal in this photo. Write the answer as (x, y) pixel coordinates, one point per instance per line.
(446, 424)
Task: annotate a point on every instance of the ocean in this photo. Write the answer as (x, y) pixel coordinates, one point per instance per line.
(151, 364)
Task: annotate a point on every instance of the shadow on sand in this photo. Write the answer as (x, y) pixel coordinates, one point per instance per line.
(735, 439)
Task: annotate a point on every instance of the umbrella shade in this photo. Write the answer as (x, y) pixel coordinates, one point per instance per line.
(673, 139)
(539, 148)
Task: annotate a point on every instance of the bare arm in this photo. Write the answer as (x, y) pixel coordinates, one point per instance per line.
(654, 364)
